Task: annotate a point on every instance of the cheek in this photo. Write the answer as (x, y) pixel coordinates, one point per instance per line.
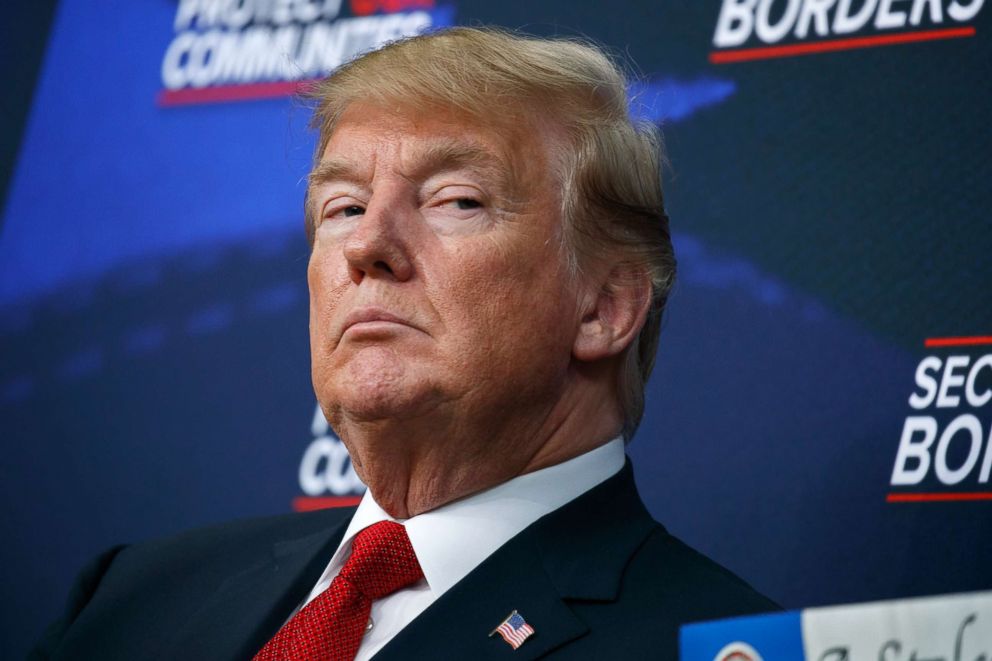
(315, 283)
(510, 308)
(327, 282)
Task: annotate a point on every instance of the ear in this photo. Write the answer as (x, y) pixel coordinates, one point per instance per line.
(613, 315)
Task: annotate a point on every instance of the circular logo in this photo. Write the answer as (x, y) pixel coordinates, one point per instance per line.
(737, 651)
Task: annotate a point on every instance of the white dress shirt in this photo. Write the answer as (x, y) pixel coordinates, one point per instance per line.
(454, 539)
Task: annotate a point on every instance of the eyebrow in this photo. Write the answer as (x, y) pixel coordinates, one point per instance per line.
(331, 170)
(495, 168)
(437, 157)
(452, 155)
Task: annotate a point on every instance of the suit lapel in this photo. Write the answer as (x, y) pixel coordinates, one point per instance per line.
(587, 543)
(458, 624)
(576, 552)
(249, 607)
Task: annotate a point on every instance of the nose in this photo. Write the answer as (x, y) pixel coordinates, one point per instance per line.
(377, 247)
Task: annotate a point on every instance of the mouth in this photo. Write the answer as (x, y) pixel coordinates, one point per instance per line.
(373, 319)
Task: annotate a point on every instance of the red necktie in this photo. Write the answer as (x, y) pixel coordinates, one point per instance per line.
(330, 628)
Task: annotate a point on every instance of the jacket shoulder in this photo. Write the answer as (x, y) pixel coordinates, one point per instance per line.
(206, 555)
(79, 595)
(240, 536)
(665, 585)
(144, 581)
(668, 571)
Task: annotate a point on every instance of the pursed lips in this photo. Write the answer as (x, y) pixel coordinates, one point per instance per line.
(369, 315)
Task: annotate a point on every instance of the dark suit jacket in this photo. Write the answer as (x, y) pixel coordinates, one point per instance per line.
(597, 579)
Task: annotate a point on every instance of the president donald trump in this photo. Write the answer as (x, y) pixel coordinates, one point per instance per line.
(490, 261)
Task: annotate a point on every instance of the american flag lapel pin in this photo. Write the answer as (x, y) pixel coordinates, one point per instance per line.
(514, 630)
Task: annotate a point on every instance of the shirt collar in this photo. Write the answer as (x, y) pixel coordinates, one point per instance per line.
(455, 538)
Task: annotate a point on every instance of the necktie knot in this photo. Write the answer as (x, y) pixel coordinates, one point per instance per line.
(330, 628)
(382, 560)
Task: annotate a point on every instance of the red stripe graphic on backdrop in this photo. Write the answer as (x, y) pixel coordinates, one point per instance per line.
(226, 93)
(831, 45)
(957, 341)
(938, 497)
(311, 503)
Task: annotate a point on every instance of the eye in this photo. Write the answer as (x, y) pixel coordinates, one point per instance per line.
(337, 210)
(467, 203)
(460, 204)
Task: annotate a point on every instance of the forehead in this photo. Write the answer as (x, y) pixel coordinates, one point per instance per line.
(419, 143)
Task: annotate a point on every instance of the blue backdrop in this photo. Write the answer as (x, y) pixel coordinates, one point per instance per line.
(829, 194)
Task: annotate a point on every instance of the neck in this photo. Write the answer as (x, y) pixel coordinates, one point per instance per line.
(414, 466)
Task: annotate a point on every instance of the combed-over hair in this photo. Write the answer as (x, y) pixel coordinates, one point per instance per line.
(610, 166)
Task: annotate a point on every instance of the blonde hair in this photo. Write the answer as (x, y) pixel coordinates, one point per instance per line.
(610, 166)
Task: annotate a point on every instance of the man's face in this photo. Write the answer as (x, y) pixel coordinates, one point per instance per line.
(437, 284)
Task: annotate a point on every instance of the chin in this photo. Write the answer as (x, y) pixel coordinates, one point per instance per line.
(376, 385)
(374, 405)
